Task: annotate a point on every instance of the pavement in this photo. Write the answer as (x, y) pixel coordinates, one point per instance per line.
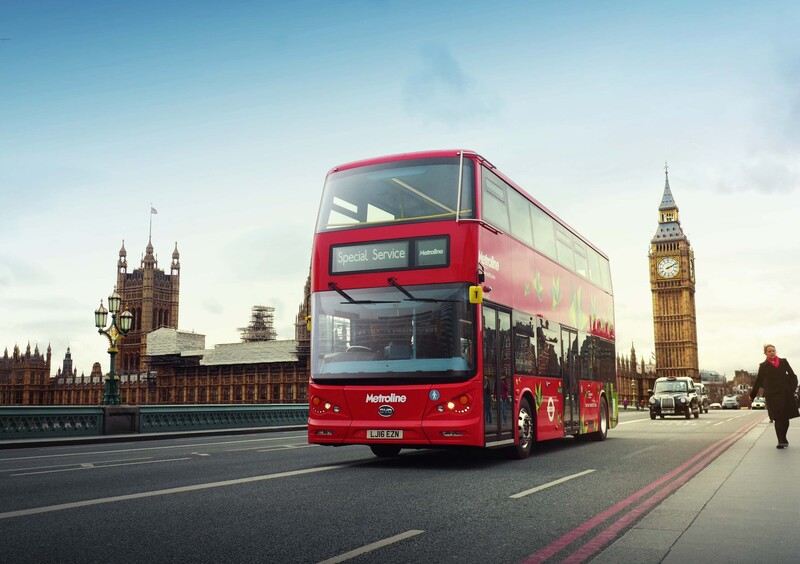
(743, 507)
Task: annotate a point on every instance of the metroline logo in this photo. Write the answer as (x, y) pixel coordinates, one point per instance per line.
(488, 261)
(380, 398)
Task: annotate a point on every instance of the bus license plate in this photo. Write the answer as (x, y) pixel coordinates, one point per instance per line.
(384, 434)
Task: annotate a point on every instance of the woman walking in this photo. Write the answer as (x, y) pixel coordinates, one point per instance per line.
(779, 382)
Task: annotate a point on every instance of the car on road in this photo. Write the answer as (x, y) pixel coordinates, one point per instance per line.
(730, 402)
(758, 403)
(674, 395)
(715, 405)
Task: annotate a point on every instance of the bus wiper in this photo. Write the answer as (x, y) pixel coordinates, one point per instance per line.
(411, 298)
(335, 288)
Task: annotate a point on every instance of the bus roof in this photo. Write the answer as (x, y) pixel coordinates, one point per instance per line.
(440, 153)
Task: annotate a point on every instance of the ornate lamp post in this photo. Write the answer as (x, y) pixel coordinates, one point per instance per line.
(113, 333)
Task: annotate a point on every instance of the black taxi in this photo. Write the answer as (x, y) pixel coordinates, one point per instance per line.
(674, 395)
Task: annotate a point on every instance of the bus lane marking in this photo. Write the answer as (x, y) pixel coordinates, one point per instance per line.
(167, 491)
(550, 484)
(372, 546)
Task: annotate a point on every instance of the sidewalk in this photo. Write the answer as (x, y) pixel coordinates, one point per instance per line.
(743, 507)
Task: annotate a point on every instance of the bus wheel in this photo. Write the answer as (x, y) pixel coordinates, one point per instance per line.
(385, 451)
(602, 432)
(524, 445)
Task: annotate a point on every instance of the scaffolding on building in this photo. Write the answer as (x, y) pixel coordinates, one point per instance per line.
(261, 326)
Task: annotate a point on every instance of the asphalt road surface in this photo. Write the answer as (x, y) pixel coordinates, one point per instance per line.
(272, 497)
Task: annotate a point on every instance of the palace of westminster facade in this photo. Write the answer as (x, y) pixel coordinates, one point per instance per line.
(158, 364)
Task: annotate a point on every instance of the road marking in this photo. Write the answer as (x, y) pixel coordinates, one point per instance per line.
(286, 447)
(72, 465)
(670, 482)
(372, 546)
(550, 484)
(100, 467)
(640, 451)
(168, 491)
(144, 435)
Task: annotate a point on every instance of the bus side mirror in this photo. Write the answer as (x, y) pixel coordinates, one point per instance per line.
(475, 294)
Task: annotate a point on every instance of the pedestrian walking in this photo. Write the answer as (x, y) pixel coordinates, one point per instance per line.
(779, 381)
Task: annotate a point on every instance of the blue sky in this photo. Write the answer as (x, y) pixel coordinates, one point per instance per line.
(227, 115)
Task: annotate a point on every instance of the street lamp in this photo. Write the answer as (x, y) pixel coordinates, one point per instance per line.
(114, 332)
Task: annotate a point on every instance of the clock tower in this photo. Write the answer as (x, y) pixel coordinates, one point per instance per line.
(672, 284)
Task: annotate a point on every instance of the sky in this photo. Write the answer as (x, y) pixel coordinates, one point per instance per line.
(226, 116)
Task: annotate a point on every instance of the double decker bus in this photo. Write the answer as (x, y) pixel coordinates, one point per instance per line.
(450, 308)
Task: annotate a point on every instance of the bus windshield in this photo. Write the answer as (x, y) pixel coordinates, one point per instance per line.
(400, 191)
(419, 332)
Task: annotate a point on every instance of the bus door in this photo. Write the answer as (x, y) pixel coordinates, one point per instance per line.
(498, 378)
(570, 381)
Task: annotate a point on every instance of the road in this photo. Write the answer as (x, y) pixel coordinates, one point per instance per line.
(273, 498)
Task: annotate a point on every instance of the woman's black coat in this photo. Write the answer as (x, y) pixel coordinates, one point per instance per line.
(779, 383)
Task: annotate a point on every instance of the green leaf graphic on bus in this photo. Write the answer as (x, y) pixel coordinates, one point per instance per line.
(537, 400)
(556, 291)
(527, 289)
(537, 286)
(576, 314)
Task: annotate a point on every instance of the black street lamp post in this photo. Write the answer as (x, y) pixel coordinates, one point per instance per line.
(113, 333)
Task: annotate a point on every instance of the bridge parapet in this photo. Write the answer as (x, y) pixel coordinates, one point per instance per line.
(21, 422)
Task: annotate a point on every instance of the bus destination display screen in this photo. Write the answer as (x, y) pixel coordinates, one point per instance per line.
(401, 254)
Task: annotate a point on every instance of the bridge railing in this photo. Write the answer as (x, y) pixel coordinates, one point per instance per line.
(20, 422)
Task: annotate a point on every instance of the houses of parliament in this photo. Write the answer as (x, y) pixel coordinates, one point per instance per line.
(159, 364)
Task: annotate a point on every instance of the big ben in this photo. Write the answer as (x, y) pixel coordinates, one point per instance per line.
(672, 284)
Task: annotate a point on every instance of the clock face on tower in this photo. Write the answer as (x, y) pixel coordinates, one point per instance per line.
(668, 267)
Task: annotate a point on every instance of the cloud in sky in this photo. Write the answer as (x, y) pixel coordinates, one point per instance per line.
(440, 90)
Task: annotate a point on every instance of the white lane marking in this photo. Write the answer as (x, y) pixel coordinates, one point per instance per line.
(72, 465)
(550, 484)
(286, 447)
(632, 421)
(640, 451)
(151, 448)
(168, 491)
(100, 466)
(372, 546)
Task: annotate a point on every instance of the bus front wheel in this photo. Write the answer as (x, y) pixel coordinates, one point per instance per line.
(385, 451)
(524, 445)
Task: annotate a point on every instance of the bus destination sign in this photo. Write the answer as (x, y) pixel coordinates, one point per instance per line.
(401, 254)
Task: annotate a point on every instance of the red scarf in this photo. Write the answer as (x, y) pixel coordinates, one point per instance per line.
(774, 362)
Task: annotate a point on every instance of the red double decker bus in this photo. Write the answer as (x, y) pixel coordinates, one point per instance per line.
(450, 308)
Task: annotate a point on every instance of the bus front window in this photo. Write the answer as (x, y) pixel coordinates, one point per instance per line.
(381, 333)
(400, 191)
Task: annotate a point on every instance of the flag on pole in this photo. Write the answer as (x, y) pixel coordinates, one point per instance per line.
(153, 210)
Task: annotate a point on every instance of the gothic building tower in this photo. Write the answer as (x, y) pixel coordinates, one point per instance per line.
(151, 296)
(672, 284)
